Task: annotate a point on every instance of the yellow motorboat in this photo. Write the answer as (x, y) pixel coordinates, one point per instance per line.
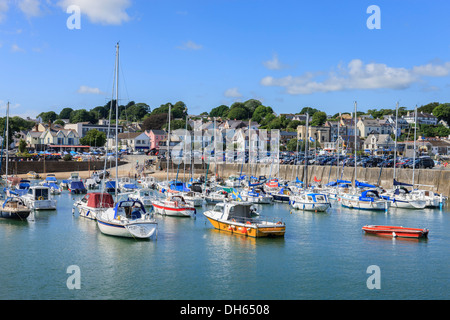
(241, 218)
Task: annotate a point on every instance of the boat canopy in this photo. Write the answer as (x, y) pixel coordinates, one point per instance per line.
(179, 186)
(239, 211)
(369, 194)
(396, 183)
(110, 184)
(364, 185)
(99, 200)
(51, 185)
(77, 185)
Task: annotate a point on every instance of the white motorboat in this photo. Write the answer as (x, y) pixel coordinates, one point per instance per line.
(129, 219)
(143, 195)
(310, 201)
(39, 198)
(174, 205)
(216, 196)
(148, 182)
(192, 198)
(256, 195)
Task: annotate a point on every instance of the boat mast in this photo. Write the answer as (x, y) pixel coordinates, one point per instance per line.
(168, 143)
(305, 175)
(338, 140)
(7, 142)
(355, 147)
(117, 118)
(414, 155)
(395, 136)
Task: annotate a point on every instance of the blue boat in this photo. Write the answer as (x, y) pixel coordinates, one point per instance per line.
(77, 187)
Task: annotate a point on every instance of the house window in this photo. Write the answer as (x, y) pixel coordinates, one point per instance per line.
(60, 141)
(70, 141)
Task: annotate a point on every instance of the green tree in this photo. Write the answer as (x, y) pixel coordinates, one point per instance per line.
(428, 108)
(155, 121)
(309, 110)
(220, 111)
(442, 112)
(260, 113)
(238, 113)
(22, 146)
(94, 138)
(48, 116)
(81, 115)
(65, 113)
(318, 118)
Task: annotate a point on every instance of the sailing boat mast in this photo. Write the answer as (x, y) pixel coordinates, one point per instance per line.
(7, 142)
(117, 118)
(305, 174)
(414, 154)
(356, 170)
(168, 143)
(395, 136)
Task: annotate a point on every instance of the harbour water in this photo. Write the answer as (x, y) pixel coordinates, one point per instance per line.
(322, 256)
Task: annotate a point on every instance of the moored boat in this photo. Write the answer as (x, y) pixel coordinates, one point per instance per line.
(394, 231)
(93, 203)
(14, 208)
(39, 198)
(310, 201)
(174, 206)
(237, 217)
(127, 219)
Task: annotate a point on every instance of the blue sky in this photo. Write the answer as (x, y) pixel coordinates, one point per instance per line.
(288, 54)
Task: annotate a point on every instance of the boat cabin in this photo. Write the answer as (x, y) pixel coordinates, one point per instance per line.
(130, 209)
(239, 212)
(39, 193)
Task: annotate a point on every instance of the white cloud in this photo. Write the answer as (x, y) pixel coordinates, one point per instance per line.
(232, 93)
(190, 45)
(31, 8)
(101, 11)
(4, 7)
(357, 75)
(274, 64)
(16, 48)
(89, 90)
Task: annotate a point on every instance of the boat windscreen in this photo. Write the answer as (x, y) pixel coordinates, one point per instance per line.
(240, 211)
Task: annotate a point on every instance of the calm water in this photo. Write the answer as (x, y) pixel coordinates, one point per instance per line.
(322, 256)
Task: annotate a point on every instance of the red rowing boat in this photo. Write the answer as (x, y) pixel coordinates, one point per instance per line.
(392, 231)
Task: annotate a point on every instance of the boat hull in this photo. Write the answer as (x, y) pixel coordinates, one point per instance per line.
(364, 205)
(14, 215)
(321, 207)
(174, 212)
(393, 231)
(258, 230)
(139, 230)
(42, 204)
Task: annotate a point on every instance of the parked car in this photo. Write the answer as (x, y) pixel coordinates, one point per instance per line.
(372, 162)
(422, 162)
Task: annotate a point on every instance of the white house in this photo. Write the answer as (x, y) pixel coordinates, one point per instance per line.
(134, 141)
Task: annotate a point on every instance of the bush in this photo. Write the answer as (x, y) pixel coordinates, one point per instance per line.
(67, 157)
